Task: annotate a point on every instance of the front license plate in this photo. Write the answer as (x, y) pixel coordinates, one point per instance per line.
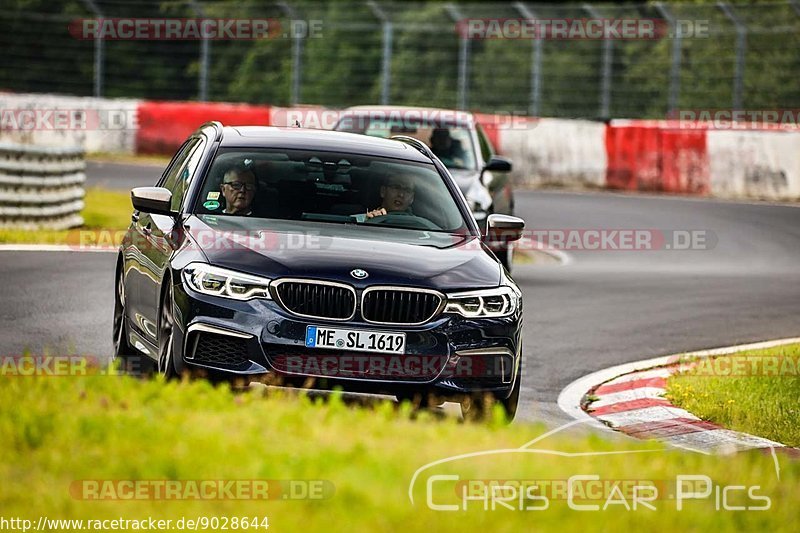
(355, 340)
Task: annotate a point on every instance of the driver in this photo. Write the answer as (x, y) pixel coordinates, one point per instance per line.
(397, 195)
(446, 148)
(239, 189)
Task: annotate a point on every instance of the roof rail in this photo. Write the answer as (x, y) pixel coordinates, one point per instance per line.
(416, 143)
(217, 125)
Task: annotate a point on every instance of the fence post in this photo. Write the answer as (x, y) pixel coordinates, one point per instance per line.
(386, 60)
(536, 62)
(605, 84)
(463, 58)
(297, 50)
(99, 52)
(741, 47)
(675, 66)
(205, 49)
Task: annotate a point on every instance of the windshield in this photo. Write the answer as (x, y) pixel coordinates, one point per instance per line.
(329, 188)
(451, 143)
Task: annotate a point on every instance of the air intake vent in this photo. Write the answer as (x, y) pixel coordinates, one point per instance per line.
(220, 349)
(400, 306)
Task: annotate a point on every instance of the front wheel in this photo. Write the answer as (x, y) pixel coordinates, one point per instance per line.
(480, 406)
(166, 336)
(124, 355)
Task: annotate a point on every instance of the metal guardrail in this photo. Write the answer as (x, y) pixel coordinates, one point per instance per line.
(41, 188)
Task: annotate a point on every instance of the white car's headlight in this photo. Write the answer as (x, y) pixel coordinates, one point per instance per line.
(226, 283)
(489, 303)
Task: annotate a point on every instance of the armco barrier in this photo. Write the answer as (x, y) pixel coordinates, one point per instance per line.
(41, 188)
(163, 126)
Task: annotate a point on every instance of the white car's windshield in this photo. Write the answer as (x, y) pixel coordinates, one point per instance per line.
(452, 143)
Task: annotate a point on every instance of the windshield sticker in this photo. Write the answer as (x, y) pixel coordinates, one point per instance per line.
(211, 205)
(213, 195)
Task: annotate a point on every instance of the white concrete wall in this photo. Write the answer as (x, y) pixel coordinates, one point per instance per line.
(94, 124)
(548, 150)
(754, 164)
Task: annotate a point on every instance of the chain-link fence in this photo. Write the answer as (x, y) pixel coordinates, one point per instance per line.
(709, 56)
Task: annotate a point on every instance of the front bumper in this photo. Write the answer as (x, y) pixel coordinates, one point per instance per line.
(258, 338)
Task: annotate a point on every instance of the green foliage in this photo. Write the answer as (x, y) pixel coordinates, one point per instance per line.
(57, 431)
(343, 64)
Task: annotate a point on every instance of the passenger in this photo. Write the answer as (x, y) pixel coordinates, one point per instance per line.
(239, 189)
(397, 195)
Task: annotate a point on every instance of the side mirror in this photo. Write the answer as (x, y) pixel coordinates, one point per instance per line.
(504, 228)
(498, 164)
(155, 200)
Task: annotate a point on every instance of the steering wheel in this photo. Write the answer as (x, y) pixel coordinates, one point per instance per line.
(404, 219)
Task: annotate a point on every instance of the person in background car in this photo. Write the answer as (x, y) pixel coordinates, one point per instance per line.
(449, 151)
(239, 189)
(397, 195)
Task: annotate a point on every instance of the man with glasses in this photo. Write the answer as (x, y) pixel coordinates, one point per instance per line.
(239, 189)
(397, 195)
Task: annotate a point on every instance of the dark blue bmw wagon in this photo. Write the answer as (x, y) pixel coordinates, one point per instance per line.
(320, 259)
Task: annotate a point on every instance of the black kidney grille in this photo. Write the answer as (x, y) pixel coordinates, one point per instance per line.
(317, 299)
(399, 307)
(220, 349)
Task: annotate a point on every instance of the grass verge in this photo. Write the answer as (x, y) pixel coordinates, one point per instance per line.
(753, 391)
(58, 432)
(105, 211)
(133, 159)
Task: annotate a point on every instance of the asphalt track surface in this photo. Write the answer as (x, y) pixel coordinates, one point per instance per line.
(602, 309)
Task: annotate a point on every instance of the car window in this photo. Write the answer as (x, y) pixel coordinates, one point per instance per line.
(329, 188)
(486, 147)
(177, 160)
(185, 175)
(181, 170)
(452, 143)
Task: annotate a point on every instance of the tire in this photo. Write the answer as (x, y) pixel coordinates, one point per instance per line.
(420, 400)
(480, 406)
(166, 333)
(123, 354)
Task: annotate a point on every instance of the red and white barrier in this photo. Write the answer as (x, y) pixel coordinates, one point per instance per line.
(163, 126)
(636, 155)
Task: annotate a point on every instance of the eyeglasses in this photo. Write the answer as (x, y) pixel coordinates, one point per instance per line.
(238, 186)
(401, 188)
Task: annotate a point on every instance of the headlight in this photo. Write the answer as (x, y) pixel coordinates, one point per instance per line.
(489, 303)
(216, 281)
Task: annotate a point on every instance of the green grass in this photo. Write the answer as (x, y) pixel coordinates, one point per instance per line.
(134, 159)
(106, 211)
(763, 405)
(56, 430)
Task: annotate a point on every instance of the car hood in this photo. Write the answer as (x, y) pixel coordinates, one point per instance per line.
(275, 248)
(465, 179)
